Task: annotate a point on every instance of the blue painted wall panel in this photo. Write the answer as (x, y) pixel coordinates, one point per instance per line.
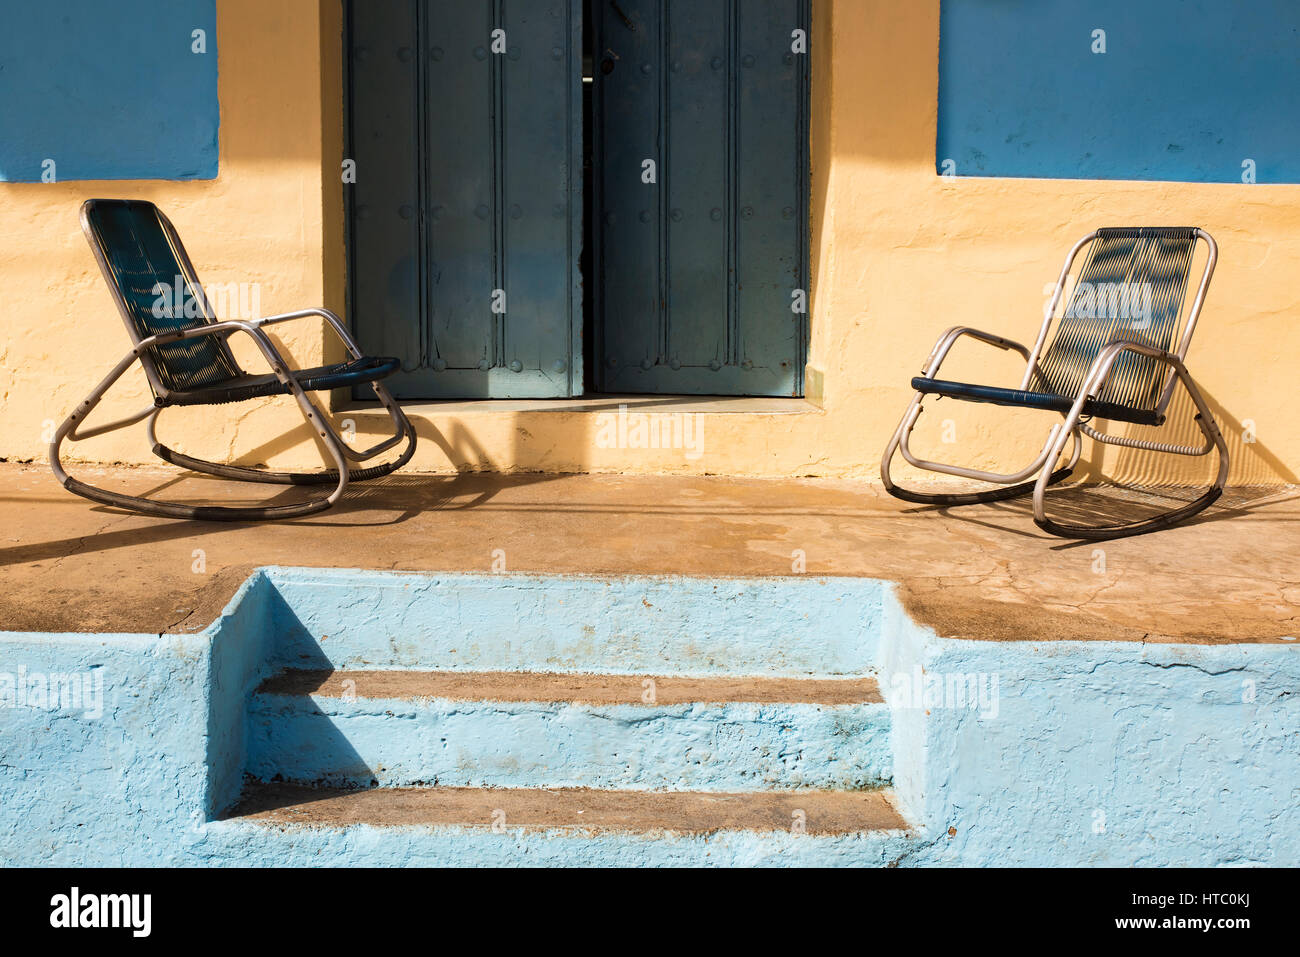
(1186, 90)
(108, 90)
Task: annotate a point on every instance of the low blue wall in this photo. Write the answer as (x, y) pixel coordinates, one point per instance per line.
(1186, 90)
(107, 90)
(1097, 753)
(998, 753)
(119, 748)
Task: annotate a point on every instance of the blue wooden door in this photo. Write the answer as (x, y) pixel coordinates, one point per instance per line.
(465, 226)
(701, 195)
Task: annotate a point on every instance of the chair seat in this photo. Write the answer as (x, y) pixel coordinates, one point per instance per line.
(1033, 400)
(338, 376)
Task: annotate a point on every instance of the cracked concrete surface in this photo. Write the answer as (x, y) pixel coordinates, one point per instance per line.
(983, 572)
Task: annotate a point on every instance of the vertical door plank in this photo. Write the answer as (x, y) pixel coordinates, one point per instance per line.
(386, 271)
(459, 138)
(542, 199)
(770, 191)
(628, 65)
(697, 180)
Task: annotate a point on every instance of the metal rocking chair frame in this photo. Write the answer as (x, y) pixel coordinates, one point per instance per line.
(1094, 369)
(187, 362)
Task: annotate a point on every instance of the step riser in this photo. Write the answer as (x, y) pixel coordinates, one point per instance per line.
(713, 747)
(786, 627)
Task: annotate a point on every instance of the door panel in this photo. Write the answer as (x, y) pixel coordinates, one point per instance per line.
(467, 211)
(696, 272)
(770, 187)
(542, 164)
(458, 143)
(629, 310)
(385, 270)
(695, 180)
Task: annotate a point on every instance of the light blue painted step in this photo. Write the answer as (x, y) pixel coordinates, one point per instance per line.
(288, 825)
(791, 627)
(402, 728)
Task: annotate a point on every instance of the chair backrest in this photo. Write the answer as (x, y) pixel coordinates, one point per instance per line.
(156, 290)
(1132, 285)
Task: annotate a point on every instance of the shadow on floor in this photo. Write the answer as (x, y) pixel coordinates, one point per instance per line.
(405, 496)
(1115, 504)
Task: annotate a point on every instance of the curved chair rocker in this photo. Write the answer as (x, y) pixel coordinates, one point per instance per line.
(187, 361)
(1108, 360)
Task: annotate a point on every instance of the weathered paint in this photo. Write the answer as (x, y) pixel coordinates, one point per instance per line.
(124, 90)
(1185, 90)
(696, 747)
(1104, 754)
(690, 626)
(1099, 753)
(165, 750)
(898, 254)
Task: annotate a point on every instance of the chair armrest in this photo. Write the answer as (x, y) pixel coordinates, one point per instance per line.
(330, 318)
(950, 337)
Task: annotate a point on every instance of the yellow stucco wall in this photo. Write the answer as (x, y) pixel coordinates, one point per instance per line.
(899, 254)
(260, 221)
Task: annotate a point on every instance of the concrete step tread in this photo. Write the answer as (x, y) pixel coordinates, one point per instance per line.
(590, 689)
(573, 809)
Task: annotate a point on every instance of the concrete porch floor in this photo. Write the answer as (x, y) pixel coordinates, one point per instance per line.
(982, 572)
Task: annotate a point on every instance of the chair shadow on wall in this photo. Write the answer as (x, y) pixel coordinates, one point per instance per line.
(1113, 484)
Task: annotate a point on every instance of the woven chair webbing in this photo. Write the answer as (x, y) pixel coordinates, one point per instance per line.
(1132, 286)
